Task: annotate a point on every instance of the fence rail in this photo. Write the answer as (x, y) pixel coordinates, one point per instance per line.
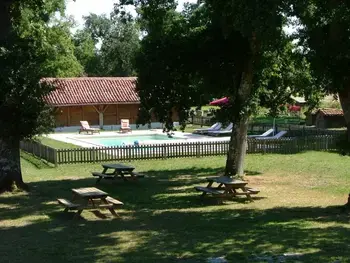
(177, 150)
(39, 150)
(293, 129)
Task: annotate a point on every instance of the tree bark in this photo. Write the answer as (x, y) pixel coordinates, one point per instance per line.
(241, 142)
(344, 97)
(241, 128)
(10, 165)
(230, 168)
(238, 140)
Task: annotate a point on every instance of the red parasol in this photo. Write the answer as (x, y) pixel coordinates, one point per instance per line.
(294, 108)
(219, 102)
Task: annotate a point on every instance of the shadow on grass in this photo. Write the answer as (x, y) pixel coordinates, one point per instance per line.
(163, 220)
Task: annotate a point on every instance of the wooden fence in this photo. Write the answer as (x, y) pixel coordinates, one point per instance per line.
(39, 150)
(177, 150)
(294, 130)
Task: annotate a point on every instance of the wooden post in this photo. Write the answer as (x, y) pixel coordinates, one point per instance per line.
(55, 157)
(100, 109)
(100, 115)
(68, 116)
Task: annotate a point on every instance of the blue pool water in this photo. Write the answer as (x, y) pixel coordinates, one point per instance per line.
(126, 140)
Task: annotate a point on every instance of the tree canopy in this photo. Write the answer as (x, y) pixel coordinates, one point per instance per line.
(236, 49)
(107, 46)
(324, 36)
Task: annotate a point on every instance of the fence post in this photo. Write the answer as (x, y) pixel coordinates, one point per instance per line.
(55, 157)
(47, 153)
(93, 155)
(164, 151)
(197, 149)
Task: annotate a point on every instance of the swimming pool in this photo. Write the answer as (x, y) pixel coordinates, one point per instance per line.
(127, 140)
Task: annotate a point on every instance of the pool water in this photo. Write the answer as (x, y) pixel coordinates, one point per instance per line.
(127, 140)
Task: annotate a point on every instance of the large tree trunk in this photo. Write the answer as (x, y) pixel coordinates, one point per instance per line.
(238, 140)
(241, 142)
(5, 19)
(240, 135)
(10, 165)
(344, 97)
(230, 168)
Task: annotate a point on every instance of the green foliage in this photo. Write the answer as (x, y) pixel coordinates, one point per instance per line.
(119, 48)
(38, 46)
(190, 57)
(325, 39)
(107, 46)
(61, 60)
(98, 26)
(86, 53)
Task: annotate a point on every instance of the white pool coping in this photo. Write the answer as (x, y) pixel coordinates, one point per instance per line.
(75, 138)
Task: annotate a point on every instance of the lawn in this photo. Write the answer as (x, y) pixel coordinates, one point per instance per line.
(56, 144)
(163, 219)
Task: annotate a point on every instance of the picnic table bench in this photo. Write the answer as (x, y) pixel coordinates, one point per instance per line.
(227, 187)
(119, 171)
(90, 198)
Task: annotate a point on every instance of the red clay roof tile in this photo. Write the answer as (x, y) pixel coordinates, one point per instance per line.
(331, 112)
(91, 90)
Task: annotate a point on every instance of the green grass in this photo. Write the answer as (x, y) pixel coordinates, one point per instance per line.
(163, 219)
(56, 144)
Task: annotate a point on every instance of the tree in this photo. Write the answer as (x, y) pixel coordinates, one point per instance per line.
(325, 40)
(87, 54)
(107, 46)
(119, 48)
(25, 52)
(99, 26)
(218, 47)
(61, 60)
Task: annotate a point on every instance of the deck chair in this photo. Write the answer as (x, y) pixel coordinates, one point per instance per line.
(225, 131)
(265, 134)
(124, 126)
(215, 127)
(276, 136)
(85, 127)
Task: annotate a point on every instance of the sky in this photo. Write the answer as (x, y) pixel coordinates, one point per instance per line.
(81, 8)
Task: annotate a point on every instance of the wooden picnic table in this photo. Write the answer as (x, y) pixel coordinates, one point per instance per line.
(227, 187)
(119, 170)
(89, 198)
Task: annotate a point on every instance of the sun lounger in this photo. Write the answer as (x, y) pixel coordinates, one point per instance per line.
(85, 127)
(215, 127)
(124, 126)
(277, 136)
(226, 131)
(265, 134)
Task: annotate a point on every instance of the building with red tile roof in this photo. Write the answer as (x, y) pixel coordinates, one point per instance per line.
(92, 91)
(329, 118)
(98, 100)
